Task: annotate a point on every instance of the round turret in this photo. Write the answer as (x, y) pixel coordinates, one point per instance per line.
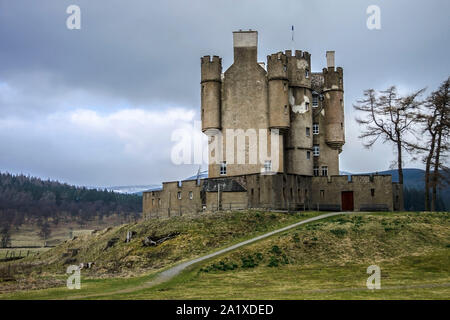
(211, 85)
(334, 107)
(278, 91)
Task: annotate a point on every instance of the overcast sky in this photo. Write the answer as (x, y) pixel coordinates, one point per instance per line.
(98, 106)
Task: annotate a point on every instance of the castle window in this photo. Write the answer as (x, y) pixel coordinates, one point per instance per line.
(159, 201)
(322, 194)
(316, 171)
(191, 195)
(342, 103)
(285, 68)
(179, 195)
(324, 171)
(306, 106)
(267, 166)
(315, 128)
(308, 131)
(315, 100)
(316, 150)
(223, 168)
(306, 73)
(285, 109)
(308, 155)
(372, 192)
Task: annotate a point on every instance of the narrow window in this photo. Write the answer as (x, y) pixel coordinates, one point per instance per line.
(315, 100)
(316, 150)
(316, 171)
(324, 171)
(267, 166)
(307, 131)
(306, 73)
(315, 128)
(223, 168)
(308, 155)
(285, 109)
(191, 195)
(307, 106)
(322, 194)
(179, 195)
(159, 201)
(372, 192)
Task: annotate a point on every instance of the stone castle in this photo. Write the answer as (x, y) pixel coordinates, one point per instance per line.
(275, 135)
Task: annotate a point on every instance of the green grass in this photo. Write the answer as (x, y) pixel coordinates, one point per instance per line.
(326, 259)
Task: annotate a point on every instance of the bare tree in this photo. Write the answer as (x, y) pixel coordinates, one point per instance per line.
(439, 101)
(5, 236)
(45, 231)
(427, 144)
(388, 117)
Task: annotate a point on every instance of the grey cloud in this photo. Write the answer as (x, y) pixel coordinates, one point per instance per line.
(146, 54)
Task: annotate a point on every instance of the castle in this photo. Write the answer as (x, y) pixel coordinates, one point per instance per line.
(275, 135)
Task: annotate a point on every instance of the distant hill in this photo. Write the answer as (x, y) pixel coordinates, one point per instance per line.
(133, 189)
(33, 198)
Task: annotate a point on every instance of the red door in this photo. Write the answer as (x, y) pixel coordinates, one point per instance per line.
(347, 201)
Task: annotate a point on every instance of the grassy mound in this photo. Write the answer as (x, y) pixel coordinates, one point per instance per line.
(112, 256)
(328, 259)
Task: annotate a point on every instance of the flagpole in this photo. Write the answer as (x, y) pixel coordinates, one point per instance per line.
(292, 40)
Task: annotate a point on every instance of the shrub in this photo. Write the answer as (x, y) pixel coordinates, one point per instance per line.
(273, 262)
(248, 262)
(339, 232)
(275, 250)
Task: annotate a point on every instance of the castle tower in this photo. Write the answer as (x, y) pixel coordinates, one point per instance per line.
(299, 141)
(279, 117)
(334, 104)
(211, 84)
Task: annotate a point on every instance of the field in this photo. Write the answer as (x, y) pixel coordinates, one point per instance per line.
(326, 259)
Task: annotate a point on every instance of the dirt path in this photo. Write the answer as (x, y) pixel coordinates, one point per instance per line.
(175, 270)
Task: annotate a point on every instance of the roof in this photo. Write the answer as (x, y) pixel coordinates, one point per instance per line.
(226, 185)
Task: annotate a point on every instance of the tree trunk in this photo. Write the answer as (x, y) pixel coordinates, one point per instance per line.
(436, 171)
(399, 162)
(427, 173)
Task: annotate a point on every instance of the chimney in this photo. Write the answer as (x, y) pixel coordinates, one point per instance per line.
(330, 59)
(245, 45)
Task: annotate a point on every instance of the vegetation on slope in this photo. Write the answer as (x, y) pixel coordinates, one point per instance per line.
(327, 259)
(112, 256)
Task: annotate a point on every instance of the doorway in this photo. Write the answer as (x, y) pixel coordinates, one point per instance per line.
(347, 201)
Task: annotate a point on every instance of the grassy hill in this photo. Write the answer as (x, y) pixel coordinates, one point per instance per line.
(113, 257)
(323, 259)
